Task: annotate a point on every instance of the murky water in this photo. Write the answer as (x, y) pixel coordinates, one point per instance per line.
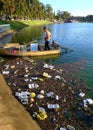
(76, 36)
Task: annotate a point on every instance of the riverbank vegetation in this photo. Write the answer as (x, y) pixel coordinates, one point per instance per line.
(16, 25)
(35, 10)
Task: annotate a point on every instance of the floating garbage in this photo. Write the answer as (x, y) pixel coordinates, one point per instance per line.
(56, 97)
(53, 106)
(61, 70)
(24, 101)
(17, 63)
(42, 91)
(26, 68)
(62, 128)
(26, 71)
(42, 109)
(26, 80)
(22, 94)
(81, 94)
(53, 119)
(33, 85)
(12, 67)
(26, 75)
(6, 66)
(88, 100)
(48, 66)
(15, 72)
(32, 100)
(46, 75)
(69, 127)
(5, 72)
(41, 115)
(34, 78)
(32, 94)
(58, 77)
(40, 96)
(49, 94)
(40, 79)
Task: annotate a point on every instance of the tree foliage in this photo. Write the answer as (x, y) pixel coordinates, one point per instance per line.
(25, 9)
(33, 9)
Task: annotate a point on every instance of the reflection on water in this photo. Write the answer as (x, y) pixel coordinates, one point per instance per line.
(28, 34)
(47, 59)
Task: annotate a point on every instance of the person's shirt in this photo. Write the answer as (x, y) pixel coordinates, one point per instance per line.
(48, 35)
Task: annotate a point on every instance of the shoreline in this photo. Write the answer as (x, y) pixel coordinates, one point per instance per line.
(8, 32)
(66, 88)
(17, 25)
(13, 115)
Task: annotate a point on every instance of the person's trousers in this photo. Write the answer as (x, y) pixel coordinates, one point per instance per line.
(47, 47)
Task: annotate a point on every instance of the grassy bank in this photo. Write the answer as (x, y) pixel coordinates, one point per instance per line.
(16, 25)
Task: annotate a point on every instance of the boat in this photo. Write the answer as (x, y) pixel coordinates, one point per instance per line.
(30, 50)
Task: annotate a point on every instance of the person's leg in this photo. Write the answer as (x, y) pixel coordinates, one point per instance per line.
(47, 45)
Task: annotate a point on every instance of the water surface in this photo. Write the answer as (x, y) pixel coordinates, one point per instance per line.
(77, 36)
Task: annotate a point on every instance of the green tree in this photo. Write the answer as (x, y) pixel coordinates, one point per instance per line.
(66, 15)
(89, 18)
(49, 11)
(1, 7)
(42, 12)
(59, 15)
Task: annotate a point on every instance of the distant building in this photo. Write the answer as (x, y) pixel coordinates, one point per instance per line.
(70, 21)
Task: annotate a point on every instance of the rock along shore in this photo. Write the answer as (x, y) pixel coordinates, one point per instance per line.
(52, 95)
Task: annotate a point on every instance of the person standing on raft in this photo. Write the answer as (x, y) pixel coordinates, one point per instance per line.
(47, 38)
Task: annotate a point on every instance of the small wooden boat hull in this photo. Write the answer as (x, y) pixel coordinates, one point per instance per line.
(5, 52)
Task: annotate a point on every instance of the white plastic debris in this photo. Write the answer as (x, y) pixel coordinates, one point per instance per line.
(25, 92)
(22, 94)
(42, 91)
(56, 97)
(26, 80)
(61, 70)
(24, 101)
(26, 71)
(81, 94)
(40, 96)
(26, 75)
(42, 109)
(34, 78)
(48, 66)
(85, 105)
(5, 72)
(49, 94)
(90, 101)
(6, 66)
(17, 63)
(33, 85)
(57, 77)
(62, 128)
(26, 68)
(17, 94)
(69, 127)
(53, 106)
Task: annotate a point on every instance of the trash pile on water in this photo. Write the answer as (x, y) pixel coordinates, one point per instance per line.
(52, 95)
